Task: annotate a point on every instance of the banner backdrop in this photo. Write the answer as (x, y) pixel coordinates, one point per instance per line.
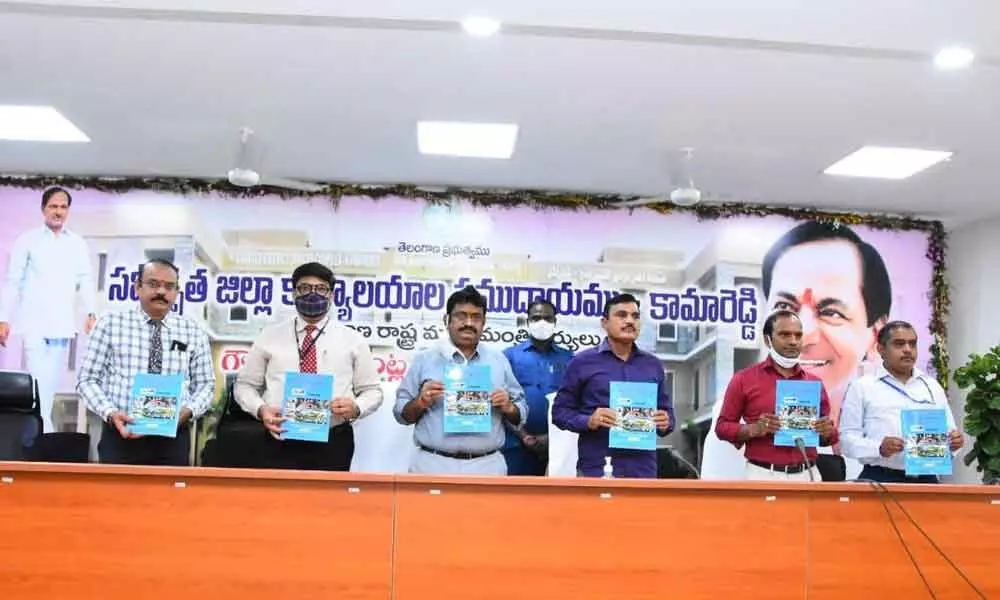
(705, 286)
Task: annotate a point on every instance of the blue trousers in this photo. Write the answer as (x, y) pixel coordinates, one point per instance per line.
(885, 475)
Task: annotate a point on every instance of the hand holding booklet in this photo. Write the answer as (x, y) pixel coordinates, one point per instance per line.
(797, 405)
(635, 403)
(926, 444)
(467, 407)
(155, 404)
(305, 405)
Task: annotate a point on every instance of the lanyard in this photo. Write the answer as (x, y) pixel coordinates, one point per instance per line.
(886, 381)
(310, 342)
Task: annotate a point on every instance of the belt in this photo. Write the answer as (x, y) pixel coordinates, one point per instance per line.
(789, 469)
(458, 455)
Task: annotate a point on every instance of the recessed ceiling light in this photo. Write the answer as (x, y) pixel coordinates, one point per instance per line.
(886, 163)
(954, 57)
(37, 124)
(480, 26)
(476, 140)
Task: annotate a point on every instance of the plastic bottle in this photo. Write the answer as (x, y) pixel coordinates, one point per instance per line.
(609, 471)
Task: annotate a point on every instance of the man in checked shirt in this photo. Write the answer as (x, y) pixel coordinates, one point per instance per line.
(149, 339)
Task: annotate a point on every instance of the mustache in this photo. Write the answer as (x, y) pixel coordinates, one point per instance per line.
(470, 329)
(160, 298)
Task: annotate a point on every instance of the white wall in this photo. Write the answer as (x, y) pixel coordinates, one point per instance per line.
(974, 325)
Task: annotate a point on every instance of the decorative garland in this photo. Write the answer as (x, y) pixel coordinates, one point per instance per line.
(936, 237)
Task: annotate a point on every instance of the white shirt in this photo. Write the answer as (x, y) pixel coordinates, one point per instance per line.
(45, 272)
(871, 412)
(340, 352)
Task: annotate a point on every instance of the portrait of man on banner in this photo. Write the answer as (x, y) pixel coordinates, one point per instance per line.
(840, 287)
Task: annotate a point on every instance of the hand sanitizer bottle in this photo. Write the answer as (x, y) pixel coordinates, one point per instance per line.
(609, 471)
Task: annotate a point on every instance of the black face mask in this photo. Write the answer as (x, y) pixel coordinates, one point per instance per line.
(312, 305)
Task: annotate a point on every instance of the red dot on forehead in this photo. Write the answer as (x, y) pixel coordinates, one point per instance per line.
(807, 297)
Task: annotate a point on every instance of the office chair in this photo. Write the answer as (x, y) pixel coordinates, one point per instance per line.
(239, 440)
(671, 465)
(20, 415)
(831, 467)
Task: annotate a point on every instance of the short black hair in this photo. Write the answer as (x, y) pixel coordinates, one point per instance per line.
(466, 295)
(52, 191)
(542, 302)
(312, 269)
(618, 299)
(886, 331)
(772, 318)
(876, 289)
(159, 261)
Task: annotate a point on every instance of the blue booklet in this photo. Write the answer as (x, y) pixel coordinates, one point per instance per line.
(797, 405)
(155, 404)
(925, 442)
(635, 403)
(467, 390)
(305, 404)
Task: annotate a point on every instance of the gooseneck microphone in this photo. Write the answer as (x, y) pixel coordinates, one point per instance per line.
(801, 445)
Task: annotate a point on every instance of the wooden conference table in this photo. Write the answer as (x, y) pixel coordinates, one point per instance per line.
(109, 532)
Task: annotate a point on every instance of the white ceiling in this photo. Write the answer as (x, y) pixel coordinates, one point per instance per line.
(768, 92)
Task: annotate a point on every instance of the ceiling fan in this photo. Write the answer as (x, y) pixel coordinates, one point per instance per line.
(683, 190)
(243, 175)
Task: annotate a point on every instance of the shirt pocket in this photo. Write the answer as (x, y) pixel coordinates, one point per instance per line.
(176, 360)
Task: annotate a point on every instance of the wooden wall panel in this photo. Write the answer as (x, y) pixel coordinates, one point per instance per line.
(91, 531)
(122, 536)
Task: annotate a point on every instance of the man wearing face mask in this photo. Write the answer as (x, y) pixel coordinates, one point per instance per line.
(747, 416)
(538, 365)
(420, 397)
(309, 342)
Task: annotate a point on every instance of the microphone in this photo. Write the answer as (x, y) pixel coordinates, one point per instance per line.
(801, 445)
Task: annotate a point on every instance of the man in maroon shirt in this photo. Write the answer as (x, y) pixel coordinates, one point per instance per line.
(747, 415)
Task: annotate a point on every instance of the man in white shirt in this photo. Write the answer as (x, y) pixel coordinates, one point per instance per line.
(48, 266)
(870, 425)
(310, 342)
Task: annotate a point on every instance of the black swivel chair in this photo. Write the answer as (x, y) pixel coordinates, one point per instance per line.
(239, 440)
(20, 415)
(831, 467)
(671, 465)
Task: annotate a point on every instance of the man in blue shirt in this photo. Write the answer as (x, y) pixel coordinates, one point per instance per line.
(420, 397)
(582, 403)
(538, 365)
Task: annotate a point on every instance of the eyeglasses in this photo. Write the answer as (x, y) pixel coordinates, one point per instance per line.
(463, 317)
(155, 284)
(305, 288)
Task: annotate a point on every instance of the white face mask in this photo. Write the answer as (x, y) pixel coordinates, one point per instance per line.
(541, 330)
(782, 361)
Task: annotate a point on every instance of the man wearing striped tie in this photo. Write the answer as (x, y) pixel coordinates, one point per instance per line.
(309, 342)
(153, 340)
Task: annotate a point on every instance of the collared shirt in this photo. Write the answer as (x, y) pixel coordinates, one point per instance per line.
(871, 412)
(751, 393)
(45, 272)
(119, 350)
(539, 373)
(587, 387)
(340, 351)
(430, 365)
